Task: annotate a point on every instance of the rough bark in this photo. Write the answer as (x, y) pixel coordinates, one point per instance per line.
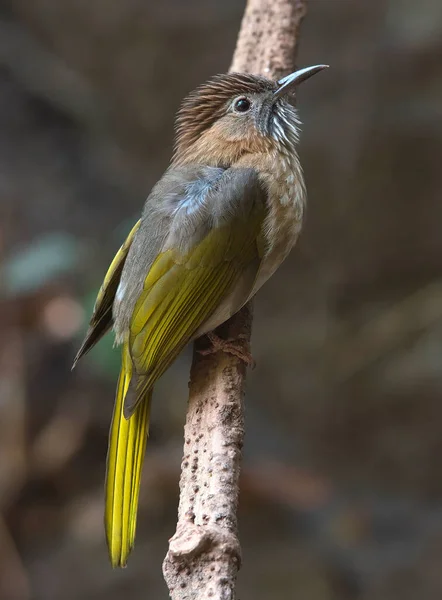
(204, 554)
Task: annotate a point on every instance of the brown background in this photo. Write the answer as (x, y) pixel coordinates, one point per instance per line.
(341, 496)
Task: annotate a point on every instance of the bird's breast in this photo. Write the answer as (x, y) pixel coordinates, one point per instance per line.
(286, 203)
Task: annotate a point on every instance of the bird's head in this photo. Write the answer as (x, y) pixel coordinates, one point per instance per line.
(238, 113)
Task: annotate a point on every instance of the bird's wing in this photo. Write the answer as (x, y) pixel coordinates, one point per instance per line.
(212, 243)
(101, 320)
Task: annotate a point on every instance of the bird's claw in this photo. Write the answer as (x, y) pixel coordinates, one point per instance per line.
(236, 347)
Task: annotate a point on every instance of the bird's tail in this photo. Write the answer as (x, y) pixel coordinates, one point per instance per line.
(127, 444)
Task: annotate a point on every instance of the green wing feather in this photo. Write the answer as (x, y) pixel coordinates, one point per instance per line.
(180, 294)
(101, 320)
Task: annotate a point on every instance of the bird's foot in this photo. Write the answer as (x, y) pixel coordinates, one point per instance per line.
(238, 347)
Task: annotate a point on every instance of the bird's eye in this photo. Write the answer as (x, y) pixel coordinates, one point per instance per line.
(242, 105)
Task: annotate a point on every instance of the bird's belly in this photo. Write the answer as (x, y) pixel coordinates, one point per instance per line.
(240, 296)
(284, 220)
(267, 269)
(224, 311)
(284, 238)
(233, 302)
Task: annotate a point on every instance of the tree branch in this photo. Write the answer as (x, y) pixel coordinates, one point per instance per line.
(204, 554)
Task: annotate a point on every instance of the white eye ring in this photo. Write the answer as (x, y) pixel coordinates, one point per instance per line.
(242, 104)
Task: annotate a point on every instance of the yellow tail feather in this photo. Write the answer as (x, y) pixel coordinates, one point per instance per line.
(127, 444)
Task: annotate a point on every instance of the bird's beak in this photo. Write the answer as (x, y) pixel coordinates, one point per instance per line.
(287, 84)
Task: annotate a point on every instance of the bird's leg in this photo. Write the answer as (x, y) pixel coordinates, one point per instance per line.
(237, 347)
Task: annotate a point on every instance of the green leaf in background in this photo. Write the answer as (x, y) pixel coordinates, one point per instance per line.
(41, 261)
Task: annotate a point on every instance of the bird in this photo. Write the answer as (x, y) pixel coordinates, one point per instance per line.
(216, 226)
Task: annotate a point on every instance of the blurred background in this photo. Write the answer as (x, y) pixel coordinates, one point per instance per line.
(341, 495)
